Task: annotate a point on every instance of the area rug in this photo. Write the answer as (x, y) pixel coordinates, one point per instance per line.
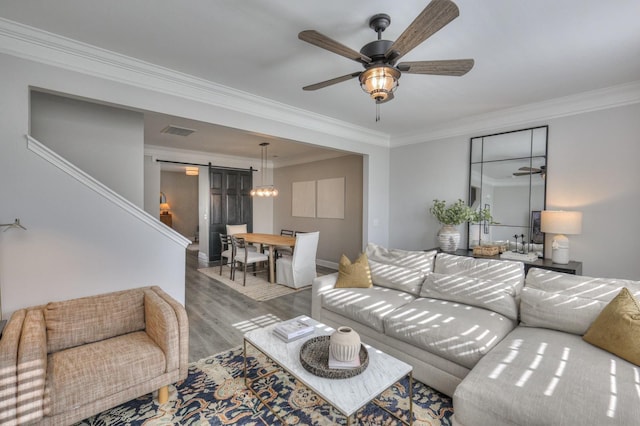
(214, 394)
(258, 287)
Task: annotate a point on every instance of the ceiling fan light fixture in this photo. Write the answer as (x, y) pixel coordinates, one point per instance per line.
(379, 81)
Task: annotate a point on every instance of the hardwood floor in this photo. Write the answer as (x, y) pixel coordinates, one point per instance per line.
(219, 316)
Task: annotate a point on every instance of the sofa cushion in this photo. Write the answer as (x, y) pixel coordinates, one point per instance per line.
(567, 302)
(368, 306)
(398, 269)
(460, 333)
(397, 277)
(356, 274)
(496, 296)
(617, 328)
(537, 376)
(91, 372)
(508, 272)
(422, 260)
(90, 319)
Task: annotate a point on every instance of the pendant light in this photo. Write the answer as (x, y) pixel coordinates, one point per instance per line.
(264, 190)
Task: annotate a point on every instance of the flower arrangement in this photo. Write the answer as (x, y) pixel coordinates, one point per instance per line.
(458, 213)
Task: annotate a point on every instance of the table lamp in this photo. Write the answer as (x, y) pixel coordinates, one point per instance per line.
(561, 223)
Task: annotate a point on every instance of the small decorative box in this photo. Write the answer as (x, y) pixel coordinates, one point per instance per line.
(486, 250)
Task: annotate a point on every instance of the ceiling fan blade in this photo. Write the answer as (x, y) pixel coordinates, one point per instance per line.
(332, 81)
(530, 169)
(455, 67)
(436, 15)
(324, 42)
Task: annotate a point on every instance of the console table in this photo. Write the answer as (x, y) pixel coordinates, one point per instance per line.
(573, 267)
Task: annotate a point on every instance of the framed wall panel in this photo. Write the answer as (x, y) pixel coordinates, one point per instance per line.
(303, 199)
(331, 198)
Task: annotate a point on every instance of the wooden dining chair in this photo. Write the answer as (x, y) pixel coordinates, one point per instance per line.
(288, 250)
(247, 257)
(226, 254)
(240, 229)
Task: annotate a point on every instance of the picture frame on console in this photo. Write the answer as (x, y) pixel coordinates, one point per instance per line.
(537, 236)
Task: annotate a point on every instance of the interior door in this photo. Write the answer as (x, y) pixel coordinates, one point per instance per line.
(231, 204)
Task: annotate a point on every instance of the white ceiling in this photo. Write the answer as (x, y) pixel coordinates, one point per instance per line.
(524, 51)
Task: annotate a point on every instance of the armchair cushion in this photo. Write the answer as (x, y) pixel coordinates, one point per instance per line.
(90, 319)
(94, 371)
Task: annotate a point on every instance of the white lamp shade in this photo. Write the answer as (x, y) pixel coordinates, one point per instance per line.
(561, 222)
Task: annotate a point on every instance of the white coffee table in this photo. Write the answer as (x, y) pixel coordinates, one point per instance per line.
(348, 396)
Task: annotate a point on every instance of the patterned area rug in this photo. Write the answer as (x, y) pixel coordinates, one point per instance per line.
(258, 287)
(214, 394)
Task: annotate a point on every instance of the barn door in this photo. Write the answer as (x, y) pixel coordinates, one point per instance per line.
(231, 204)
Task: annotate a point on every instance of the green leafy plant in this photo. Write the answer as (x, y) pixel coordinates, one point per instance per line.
(458, 213)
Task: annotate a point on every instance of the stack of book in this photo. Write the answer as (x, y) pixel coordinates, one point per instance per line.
(292, 330)
(343, 365)
(525, 257)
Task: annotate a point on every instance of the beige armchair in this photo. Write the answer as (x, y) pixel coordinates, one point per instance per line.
(66, 361)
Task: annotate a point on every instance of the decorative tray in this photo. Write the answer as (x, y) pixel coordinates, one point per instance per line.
(314, 356)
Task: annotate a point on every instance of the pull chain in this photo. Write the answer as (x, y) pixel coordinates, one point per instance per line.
(377, 112)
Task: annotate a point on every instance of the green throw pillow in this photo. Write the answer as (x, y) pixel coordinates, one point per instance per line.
(354, 274)
(617, 328)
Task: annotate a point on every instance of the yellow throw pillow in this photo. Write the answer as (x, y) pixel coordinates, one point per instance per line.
(617, 328)
(354, 274)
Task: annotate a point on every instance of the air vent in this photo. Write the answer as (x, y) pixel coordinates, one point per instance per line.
(176, 130)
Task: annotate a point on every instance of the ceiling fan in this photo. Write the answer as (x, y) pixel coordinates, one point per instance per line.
(379, 57)
(524, 171)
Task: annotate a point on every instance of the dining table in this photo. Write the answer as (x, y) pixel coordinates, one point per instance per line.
(271, 241)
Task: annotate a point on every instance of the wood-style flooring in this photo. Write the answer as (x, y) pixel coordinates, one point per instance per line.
(219, 316)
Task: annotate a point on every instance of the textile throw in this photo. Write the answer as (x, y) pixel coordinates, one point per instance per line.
(258, 287)
(214, 394)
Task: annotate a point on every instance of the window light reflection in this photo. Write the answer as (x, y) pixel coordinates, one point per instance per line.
(613, 400)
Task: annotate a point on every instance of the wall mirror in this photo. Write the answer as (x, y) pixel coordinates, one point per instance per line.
(508, 175)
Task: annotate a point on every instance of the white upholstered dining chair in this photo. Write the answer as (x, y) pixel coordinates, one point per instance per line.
(299, 270)
(240, 229)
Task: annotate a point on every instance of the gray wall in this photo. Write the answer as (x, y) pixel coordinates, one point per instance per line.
(182, 195)
(106, 142)
(151, 186)
(592, 167)
(337, 236)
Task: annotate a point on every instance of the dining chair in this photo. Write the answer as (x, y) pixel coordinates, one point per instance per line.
(226, 248)
(240, 229)
(247, 257)
(299, 270)
(280, 250)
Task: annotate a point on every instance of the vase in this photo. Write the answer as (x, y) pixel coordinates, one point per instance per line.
(344, 344)
(449, 238)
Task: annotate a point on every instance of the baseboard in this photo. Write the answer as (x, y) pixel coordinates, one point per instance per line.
(203, 256)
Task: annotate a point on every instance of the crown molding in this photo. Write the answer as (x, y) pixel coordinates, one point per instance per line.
(41, 46)
(594, 100)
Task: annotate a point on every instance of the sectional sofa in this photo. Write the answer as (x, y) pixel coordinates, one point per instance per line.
(508, 350)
